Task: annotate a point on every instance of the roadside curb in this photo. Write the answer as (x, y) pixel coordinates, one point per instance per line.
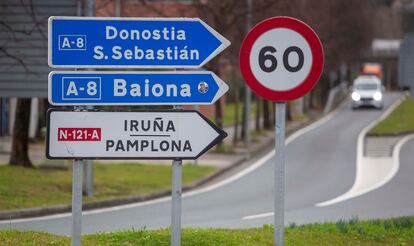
(400, 134)
(58, 209)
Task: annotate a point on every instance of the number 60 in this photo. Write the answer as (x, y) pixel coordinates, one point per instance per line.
(265, 56)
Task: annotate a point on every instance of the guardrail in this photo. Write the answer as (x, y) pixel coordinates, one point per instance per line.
(336, 95)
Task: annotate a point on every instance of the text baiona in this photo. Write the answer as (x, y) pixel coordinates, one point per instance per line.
(147, 89)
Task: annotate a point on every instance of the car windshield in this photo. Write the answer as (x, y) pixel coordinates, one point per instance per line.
(366, 87)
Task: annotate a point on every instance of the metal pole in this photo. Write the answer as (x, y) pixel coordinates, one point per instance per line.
(197, 107)
(176, 200)
(280, 173)
(90, 8)
(248, 92)
(118, 8)
(88, 189)
(88, 171)
(77, 202)
(77, 197)
(88, 178)
(176, 203)
(79, 7)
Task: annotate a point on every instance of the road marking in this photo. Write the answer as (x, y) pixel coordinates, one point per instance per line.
(374, 164)
(371, 173)
(377, 174)
(265, 158)
(238, 175)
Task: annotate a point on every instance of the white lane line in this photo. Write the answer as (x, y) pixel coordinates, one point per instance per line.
(371, 173)
(238, 175)
(389, 175)
(375, 164)
(262, 160)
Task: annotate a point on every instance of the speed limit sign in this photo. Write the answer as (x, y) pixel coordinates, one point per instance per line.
(281, 59)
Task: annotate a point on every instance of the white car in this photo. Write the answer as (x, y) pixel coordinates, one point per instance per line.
(367, 91)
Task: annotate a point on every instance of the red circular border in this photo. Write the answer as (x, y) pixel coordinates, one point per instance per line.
(317, 58)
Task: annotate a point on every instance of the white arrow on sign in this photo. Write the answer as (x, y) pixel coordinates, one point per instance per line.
(129, 135)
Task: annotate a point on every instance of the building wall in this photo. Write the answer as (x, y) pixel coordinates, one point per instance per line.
(23, 40)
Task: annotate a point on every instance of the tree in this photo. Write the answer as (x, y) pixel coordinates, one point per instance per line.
(259, 104)
(266, 115)
(344, 27)
(228, 17)
(14, 33)
(20, 141)
(234, 84)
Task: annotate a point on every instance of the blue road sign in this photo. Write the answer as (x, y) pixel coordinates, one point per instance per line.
(134, 88)
(99, 42)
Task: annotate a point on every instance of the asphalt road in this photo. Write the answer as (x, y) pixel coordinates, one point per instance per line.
(320, 165)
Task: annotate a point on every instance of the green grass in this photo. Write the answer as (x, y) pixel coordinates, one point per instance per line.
(230, 111)
(398, 231)
(224, 149)
(400, 121)
(27, 188)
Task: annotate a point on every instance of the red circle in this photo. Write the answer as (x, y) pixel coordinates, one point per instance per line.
(317, 58)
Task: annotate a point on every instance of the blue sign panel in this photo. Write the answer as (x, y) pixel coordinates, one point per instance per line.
(132, 42)
(134, 88)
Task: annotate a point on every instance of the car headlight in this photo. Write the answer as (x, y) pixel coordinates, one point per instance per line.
(377, 96)
(355, 96)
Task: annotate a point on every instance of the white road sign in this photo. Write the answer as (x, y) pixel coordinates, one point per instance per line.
(129, 135)
(281, 59)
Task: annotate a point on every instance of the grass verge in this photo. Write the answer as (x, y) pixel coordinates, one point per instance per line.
(28, 188)
(400, 121)
(397, 231)
(230, 111)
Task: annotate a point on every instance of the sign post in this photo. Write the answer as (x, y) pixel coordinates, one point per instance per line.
(77, 202)
(279, 172)
(177, 170)
(77, 192)
(140, 43)
(281, 59)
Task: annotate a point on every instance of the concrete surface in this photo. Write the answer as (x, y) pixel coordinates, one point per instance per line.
(321, 164)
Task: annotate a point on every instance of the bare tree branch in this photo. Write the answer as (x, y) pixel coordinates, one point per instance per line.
(16, 58)
(30, 11)
(154, 9)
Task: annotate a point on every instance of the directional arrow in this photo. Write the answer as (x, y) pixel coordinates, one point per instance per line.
(134, 88)
(102, 42)
(129, 135)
